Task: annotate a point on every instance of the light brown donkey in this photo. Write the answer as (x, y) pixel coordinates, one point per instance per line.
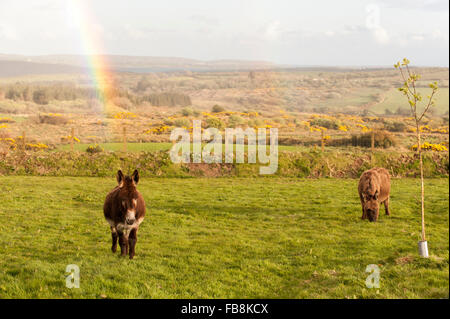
(374, 187)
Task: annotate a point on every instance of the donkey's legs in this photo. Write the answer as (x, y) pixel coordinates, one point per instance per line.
(386, 206)
(364, 216)
(123, 242)
(114, 239)
(132, 241)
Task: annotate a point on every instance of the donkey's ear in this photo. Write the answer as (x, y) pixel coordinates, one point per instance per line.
(135, 176)
(120, 178)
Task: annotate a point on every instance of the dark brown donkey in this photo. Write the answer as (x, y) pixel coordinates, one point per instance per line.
(124, 210)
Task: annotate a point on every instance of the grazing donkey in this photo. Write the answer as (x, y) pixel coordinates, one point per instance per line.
(124, 210)
(374, 187)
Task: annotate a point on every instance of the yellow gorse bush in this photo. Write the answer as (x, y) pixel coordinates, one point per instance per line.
(158, 130)
(363, 127)
(6, 120)
(306, 123)
(36, 147)
(124, 115)
(9, 142)
(317, 129)
(13, 144)
(69, 137)
(428, 129)
(431, 147)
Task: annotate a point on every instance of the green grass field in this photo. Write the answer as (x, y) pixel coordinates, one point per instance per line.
(394, 99)
(355, 98)
(222, 238)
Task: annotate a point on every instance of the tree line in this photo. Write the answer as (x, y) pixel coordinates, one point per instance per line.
(42, 95)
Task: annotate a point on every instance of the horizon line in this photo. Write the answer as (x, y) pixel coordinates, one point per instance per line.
(276, 64)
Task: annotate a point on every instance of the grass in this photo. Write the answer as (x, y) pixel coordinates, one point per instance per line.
(222, 238)
(394, 99)
(355, 98)
(131, 147)
(152, 147)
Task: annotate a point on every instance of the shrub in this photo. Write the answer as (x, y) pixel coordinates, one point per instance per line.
(321, 109)
(279, 120)
(168, 121)
(168, 99)
(215, 123)
(35, 147)
(395, 126)
(158, 164)
(327, 123)
(51, 118)
(143, 84)
(383, 139)
(6, 120)
(431, 147)
(92, 149)
(235, 120)
(182, 122)
(256, 123)
(403, 111)
(187, 111)
(217, 108)
(41, 96)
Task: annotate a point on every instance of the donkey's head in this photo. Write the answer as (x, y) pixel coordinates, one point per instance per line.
(128, 196)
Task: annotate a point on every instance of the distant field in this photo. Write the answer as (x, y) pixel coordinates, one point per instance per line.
(394, 99)
(131, 147)
(355, 98)
(150, 147)
(222, 238)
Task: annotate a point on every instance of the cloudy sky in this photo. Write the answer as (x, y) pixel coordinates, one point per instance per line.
(319, 32)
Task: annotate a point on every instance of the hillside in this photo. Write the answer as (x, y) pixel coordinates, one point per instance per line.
(143, 64)
(20, 68)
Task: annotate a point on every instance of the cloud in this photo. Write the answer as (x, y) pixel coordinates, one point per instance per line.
(417, 37)
(381, 35)
(134, 33)
(272, 30)
(378, 33)
(203, 19)
(428, 5)
(437, 34)
(48, 5)
(7, 32)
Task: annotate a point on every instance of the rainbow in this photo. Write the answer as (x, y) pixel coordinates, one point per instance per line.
(81, 18)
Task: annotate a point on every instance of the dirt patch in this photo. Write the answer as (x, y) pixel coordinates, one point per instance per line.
(404, 260)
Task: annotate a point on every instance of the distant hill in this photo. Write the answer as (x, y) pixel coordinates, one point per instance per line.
(144, 63)
(20, 68)
(16, 65)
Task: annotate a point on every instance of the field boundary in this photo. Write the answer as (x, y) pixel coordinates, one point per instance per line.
(304, 164)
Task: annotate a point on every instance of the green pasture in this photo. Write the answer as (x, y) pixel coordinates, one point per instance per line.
(222, 238)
